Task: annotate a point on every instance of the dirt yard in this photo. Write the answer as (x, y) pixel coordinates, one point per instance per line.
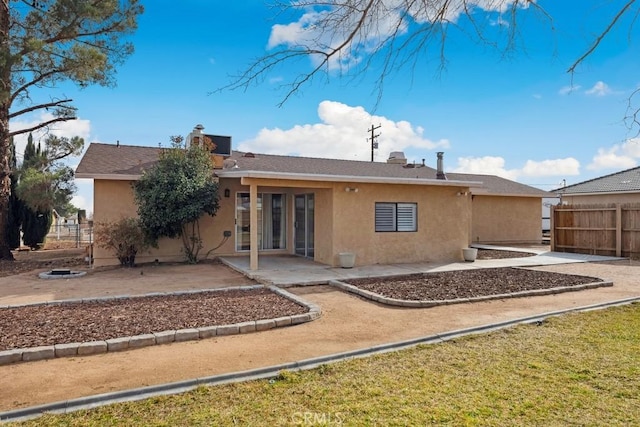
(347, 323)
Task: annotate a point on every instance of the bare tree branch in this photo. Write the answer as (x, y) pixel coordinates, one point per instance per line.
(41, 125)
(53, 104)
(601, 36)
(378, 36)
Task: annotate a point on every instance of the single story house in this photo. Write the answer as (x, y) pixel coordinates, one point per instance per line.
(621, 187)
(393, 212)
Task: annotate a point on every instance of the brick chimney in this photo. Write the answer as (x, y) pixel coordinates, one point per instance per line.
(440, 171)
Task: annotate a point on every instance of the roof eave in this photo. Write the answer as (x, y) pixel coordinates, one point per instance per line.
(598, 193)
(108, 176)
(345, 178)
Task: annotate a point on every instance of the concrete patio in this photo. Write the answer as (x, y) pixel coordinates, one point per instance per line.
(289, 270)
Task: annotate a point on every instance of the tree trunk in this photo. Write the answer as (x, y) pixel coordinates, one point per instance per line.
(5, 104)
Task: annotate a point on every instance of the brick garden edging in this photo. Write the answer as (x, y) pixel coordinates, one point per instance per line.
(157, 338)
(433, 303)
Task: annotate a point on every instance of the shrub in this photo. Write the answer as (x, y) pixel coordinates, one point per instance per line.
(125, 237)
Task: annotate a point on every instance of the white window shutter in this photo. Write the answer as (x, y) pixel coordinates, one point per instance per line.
(385, 217)
(406, 217)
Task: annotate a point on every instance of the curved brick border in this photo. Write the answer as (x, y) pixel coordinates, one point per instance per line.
(156, 338)
(432, 303)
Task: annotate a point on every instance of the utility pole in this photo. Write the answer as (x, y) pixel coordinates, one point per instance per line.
(374, 143)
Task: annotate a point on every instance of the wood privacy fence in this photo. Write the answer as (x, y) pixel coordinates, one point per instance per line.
(612, 230)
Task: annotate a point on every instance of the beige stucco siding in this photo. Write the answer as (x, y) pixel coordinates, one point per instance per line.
(443, 223)
(344, 221)
(498, 219)
(323, 226)
(114, 200)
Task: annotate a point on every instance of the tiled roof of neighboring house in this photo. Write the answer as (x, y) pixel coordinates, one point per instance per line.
(624, 181)
(107, 161)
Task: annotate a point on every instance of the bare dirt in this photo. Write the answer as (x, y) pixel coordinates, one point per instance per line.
(27, 260)
(347, 323)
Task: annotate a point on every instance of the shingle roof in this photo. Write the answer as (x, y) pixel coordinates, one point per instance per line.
(107, 161)
(624, 181)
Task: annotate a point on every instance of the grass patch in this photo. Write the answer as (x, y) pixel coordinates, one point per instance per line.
(578, 369)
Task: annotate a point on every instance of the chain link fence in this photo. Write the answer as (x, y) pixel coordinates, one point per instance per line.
(78, 234)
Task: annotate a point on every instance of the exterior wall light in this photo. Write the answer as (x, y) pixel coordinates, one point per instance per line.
(227, 192)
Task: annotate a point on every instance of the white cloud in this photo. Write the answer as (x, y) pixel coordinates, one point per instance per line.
(599, 89)
(83, 199)
(490, 165)
(78, 127)
(566, 90)
(552, 167)
(373, 32)
(487, 165)
(619, 156)
(342, 134)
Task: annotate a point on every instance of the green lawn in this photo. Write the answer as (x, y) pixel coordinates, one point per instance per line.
(578, 369)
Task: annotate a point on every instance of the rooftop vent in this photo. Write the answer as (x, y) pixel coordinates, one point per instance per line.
(250, 155)
(230, 164)
(397, 158)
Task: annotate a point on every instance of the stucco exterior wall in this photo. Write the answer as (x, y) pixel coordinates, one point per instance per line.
(443, 222)
(345, 221)
(323, 226)
(601, 199)
(114, 200)
(504, 220)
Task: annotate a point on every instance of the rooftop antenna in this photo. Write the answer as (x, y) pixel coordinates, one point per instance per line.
(374, 143)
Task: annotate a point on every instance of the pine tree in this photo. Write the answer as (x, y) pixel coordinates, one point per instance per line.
(44, 44)
(35, 227)
(12, 231)
(35, 222)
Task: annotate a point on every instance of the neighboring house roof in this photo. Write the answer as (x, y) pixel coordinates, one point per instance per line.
(124, 162)
(627, 181)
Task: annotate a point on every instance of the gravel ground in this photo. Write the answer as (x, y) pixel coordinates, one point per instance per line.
(31, 326)
(494, 254)
(66, 323)
(467, 283)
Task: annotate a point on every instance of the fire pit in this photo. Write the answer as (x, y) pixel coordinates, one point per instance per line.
(61, 273)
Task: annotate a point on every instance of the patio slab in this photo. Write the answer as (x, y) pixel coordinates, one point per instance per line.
(290, 270)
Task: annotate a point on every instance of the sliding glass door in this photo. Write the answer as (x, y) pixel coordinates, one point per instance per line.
(304, 223)
(271, 221)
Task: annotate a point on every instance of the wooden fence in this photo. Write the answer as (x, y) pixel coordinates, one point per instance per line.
(612, 230)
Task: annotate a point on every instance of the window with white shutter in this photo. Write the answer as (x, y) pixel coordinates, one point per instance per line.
(396, 217)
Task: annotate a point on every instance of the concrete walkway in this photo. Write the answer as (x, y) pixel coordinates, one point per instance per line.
(289, 270)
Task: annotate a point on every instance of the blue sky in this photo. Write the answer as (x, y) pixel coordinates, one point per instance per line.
(520, 116)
